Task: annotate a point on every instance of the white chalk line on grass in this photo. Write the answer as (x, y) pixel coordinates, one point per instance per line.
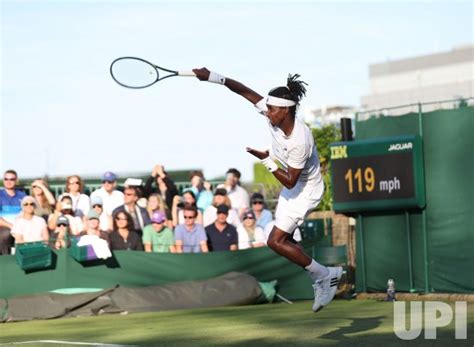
(65, 343)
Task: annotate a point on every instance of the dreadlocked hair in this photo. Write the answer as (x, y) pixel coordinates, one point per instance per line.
(294, 90)
(296, 87)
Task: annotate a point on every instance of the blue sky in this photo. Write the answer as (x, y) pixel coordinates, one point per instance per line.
(61, 113)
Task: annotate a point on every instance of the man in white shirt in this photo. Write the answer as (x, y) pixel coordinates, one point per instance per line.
(238, 196)
(111, 197)
(28, 227)
(293, 147)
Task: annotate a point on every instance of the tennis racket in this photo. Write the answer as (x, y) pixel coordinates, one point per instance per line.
(137, 73)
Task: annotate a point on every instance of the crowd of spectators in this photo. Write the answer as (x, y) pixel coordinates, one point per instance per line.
(150, 217)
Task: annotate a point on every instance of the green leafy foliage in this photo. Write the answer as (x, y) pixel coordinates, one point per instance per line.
(323, 137)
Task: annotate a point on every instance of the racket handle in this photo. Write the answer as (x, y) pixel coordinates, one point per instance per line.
(186, 73)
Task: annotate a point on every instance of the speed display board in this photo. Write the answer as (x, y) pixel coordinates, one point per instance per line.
(378, 174)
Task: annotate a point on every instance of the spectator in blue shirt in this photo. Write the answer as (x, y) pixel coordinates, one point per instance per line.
(201, 189)
(190, 237)
(10, 208)
(263, 215)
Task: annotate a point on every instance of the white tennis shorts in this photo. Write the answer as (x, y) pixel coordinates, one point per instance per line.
(294, 204)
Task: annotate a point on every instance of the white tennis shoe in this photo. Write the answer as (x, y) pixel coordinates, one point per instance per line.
(325, 289)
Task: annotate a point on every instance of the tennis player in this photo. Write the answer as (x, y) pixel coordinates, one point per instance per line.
(293, 147)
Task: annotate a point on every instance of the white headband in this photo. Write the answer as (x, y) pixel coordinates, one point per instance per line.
(280, 102)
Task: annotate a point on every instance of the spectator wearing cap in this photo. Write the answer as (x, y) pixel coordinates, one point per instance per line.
(123, 237)
(80, 201)
(58, 236)
(156, 203)
(220, 198)
(10, 208)
(157, 237)
(263, 215)
(250, 234)
(160, 183)
(93, 226)
(105, 221)
(140, 216)
(45, 200)
(111, 197)
(221, 235)
(190, 237)
(28, 227)
(64, 207)
(238, 196)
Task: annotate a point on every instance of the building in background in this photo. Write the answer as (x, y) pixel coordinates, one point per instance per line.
(427, 78)
(326, 115)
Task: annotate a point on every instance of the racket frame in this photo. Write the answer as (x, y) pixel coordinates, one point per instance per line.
(156, 67)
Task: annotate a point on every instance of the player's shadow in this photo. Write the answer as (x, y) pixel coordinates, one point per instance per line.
(357, 325)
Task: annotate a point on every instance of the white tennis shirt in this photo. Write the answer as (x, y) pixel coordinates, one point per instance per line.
(297, 150)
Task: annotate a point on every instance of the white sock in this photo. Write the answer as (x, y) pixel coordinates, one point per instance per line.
(317, 271)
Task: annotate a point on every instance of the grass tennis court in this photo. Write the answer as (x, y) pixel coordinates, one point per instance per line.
(343, 323)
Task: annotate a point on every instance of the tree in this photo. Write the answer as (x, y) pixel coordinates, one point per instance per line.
(323, 137)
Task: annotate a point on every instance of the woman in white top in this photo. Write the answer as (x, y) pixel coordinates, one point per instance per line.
(293, 147)
(250, 235)
(28, 227)
(80, 202)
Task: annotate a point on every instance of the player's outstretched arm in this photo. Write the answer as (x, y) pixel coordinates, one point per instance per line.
(203, 74)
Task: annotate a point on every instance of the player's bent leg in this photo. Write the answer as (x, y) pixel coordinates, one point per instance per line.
(279, 241)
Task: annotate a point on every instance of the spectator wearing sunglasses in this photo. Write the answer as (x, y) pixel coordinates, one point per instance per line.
(262, 215)
(140, 216)
(111, 197)
(29, 227)
(58, 236)
(10, 208)
(157, 237)
(123, 237)
(177, 210)
(250, 234)
(45, 200)
(80, 202)
(190, 237)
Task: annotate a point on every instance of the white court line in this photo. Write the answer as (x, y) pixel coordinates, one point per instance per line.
(65, 343)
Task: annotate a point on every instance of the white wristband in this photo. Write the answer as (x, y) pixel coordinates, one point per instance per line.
(216, 78)
(269, 164)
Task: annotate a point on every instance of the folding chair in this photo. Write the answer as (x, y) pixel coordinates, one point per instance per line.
(315, 229)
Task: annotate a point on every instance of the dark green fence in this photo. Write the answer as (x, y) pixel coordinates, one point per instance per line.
(429, 249)
(138, 269)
